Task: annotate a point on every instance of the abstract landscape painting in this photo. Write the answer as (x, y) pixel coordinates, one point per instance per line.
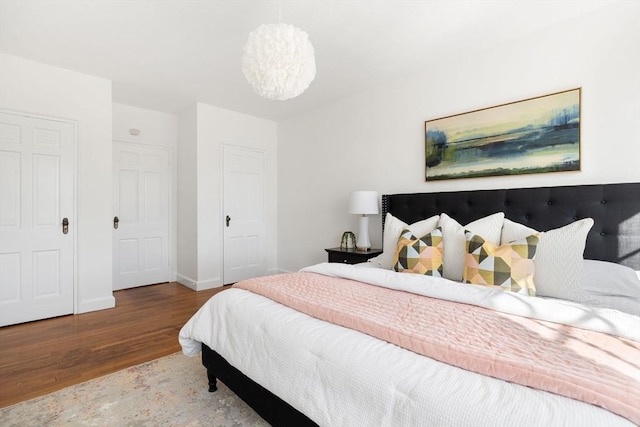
(536, 135)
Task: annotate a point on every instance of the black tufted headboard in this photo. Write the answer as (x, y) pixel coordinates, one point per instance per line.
(615, 209)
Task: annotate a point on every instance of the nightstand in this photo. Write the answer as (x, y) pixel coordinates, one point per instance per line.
(351, 256)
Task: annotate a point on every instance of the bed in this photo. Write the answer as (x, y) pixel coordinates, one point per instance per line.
(295, 369)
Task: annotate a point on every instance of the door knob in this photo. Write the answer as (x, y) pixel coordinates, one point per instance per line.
(115, 222)
(228, 219)
(65, 225)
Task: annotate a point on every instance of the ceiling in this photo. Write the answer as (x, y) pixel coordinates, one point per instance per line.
(166, 55)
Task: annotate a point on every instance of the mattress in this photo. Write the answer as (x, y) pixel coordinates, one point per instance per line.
(340, 377)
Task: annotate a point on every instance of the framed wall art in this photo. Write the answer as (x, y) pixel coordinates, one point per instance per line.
(535, 135)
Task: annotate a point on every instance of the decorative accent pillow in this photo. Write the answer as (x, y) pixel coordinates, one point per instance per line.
(509, 266)
(393, 227)
(421, 255)
(559, 258)
(454, 240)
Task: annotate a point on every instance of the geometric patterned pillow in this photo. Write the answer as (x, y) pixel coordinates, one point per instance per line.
(421, 255)
(509, 266)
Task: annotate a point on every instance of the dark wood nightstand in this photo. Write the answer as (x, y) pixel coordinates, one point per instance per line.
(351, 256)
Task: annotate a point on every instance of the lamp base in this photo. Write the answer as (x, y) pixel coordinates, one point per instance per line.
(363, 244)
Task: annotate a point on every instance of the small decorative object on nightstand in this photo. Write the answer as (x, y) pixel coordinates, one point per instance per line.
(348, 240)
(351, 256)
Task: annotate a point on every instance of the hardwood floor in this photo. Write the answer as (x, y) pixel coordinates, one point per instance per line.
(40, 357)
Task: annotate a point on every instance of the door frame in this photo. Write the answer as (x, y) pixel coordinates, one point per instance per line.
(222, 206)
(74, 174)
(171, 215)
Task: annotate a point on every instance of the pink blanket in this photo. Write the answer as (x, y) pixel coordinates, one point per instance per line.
(589, 366)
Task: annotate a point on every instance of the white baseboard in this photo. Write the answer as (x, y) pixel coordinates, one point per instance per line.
(96, 304)
(209, 284)
(198, 285)
(277, 271)
(185, 281)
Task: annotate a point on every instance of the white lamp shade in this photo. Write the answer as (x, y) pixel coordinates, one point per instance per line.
(363, 202)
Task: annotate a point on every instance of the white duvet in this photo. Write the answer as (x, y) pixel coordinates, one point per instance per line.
(340, 377)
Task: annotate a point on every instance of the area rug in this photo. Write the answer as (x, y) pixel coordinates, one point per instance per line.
(170, 391)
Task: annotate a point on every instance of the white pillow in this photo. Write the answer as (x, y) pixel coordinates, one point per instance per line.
(625, 304)
(558, 260)
(454, 240)
(514, 231)
(608, 278)
(393, 229)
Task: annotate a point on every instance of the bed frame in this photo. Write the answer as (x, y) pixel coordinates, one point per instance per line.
(615, 237)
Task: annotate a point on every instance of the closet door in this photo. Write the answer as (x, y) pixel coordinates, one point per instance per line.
(37, 224)
(141, 215)
(244, 214)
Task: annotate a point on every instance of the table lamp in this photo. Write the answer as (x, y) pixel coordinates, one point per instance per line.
(363, 203)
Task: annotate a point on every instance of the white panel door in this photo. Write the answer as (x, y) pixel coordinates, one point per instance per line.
(36, 197)
(244, 215)
(141, 206)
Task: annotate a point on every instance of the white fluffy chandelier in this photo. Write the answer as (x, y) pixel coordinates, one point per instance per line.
(278, 61)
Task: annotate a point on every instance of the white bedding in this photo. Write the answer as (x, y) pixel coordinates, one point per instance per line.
(599, 319)
(340, 377)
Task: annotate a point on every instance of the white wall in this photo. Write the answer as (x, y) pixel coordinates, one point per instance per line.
(160, 130)
(216, 127)
(156, 128)
(375, 140)
(36, 88)
(187, 265)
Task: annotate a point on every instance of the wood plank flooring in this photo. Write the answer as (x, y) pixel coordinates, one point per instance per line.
(40, 357)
